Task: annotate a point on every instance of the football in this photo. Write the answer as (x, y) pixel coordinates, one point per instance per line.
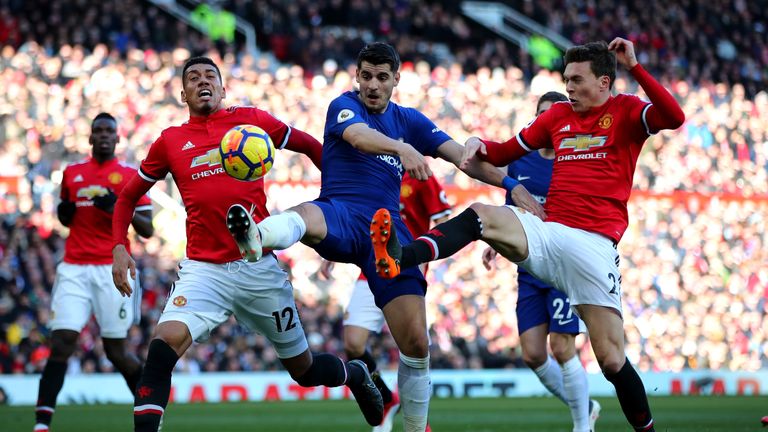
(247, 152)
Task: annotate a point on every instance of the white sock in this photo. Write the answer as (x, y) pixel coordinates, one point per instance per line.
(281, 231)
(415, 390)
(552, 377)
(576, 392)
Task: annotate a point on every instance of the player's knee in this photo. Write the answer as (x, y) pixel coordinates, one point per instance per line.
(610, 364)
(415, 345)
(534, 359)
(353, 349)
(563, 352)
(63, 344)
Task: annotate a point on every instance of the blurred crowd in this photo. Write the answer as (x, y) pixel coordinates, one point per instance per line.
(696, 40)
(693, 259)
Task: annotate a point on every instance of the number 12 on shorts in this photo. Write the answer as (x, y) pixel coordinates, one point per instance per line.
(286, 314)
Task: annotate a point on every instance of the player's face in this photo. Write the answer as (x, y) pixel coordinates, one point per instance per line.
(103, 138)
(585, 90)
(376, 85)
(203, 91)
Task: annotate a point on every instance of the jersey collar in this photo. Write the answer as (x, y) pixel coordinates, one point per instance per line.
(202, 119)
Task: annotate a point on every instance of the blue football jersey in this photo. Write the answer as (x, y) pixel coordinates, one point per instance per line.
(367, 179)
(534, 172)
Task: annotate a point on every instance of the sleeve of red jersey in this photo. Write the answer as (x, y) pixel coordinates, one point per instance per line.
(534, 136)
(663, 112)
(284, 136)
(435, 200)
(125, 206)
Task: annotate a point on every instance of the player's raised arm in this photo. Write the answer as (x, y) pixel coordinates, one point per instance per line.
(302, 142)
(487, 173)
(665, 112)
(365, 139)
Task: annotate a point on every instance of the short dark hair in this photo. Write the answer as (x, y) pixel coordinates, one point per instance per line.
(601, 60)
(377, 53)
(199, 60)
(551, 96)
(103, 115)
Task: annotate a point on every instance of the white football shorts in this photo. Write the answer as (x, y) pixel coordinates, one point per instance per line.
(258, 294)
(362, 310)
(84, 289)
(583, 264)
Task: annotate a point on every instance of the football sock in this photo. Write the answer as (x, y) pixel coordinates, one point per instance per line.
(415, 391)
(154, 387)
(327, 370)
(281, 231)
(51, 382)
(576, 390)
(443, 240)
(551, 376)
(132, 379)
(632, 397)
(369, 361)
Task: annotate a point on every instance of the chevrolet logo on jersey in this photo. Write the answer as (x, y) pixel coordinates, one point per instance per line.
(211, 158)
(92, 191)
(583, 142)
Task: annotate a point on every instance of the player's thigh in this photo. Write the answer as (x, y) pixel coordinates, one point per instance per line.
(314, 219)
(264, 303)
(201, 299)
(503, 230)
(606, 335)
(533, 341)
(71, 298)
(113, 312)
(362, 311)
(587, 267)
(339, 243)
(407, 320)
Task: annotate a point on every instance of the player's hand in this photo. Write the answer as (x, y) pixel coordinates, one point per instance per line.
(489, 255)
(523, 199)
(121, 263)
(326, 267)
(471, 147)
(625, 52)
(414, 162)
(106, 202)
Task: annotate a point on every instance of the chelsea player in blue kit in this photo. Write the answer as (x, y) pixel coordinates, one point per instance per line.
(542, 309)
(369, 142)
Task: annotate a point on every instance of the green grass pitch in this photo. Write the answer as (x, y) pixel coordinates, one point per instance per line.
(678, 414)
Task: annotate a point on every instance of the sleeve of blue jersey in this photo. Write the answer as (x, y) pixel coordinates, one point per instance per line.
(423, 134)
(342, 113)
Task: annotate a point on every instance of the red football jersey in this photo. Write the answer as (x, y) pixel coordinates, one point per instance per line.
(190, 152)
(595, 157)
(421, 202)
(90, 233)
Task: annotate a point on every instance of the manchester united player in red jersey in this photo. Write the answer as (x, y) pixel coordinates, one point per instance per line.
(214, 282)
(83, 280)
(422, 203)
(597, 138)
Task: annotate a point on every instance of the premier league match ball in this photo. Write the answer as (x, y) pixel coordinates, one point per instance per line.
(247, 152)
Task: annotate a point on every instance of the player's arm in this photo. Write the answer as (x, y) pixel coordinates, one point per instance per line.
(142, 223)
(488, 173)
(65, 211)
(664, 111)
(367, 140)
(302, 142)
(122, 216)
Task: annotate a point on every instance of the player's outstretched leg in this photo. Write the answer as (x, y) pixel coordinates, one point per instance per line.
(242, 227)
(442, 241)
(366, 394)
(386, 247)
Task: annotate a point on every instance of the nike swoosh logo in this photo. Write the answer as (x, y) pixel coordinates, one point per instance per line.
(521, 178)
(561, 322)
